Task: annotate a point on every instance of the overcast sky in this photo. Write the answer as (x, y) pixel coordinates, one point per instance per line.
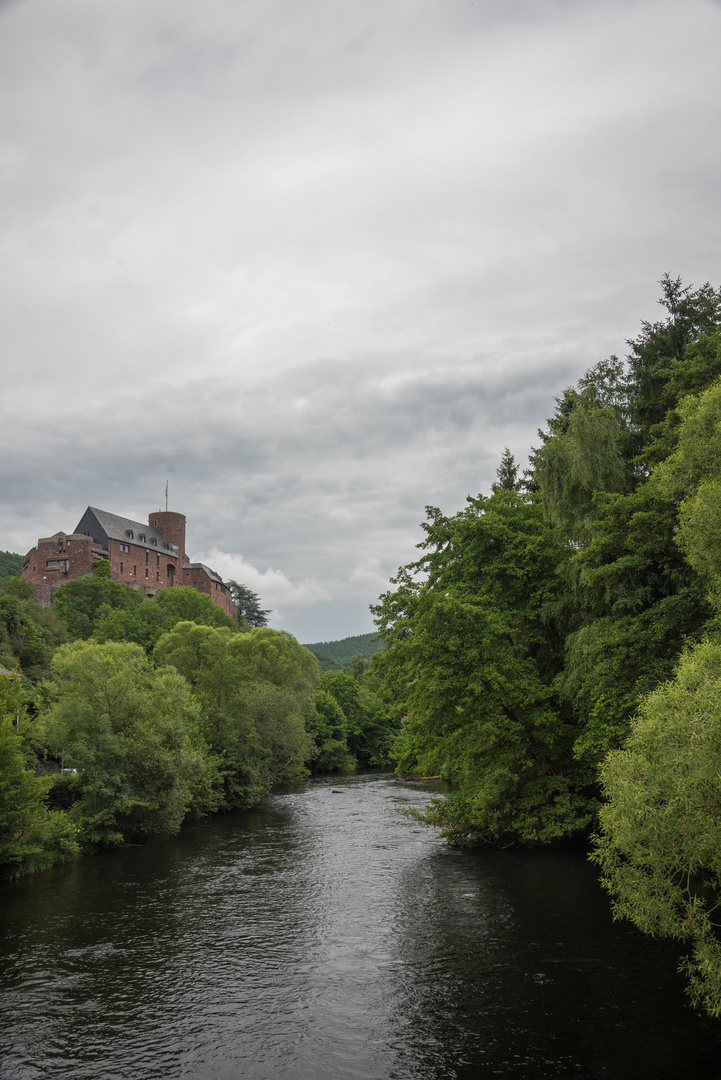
(316, 262)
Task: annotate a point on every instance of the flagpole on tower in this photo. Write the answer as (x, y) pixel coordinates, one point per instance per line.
(166, 496)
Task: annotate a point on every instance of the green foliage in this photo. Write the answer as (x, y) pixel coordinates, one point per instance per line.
(255, 691)
(149, 619)
(82, 604)
(31, 838)
(638, 602)
(639, 593)
(658, 843)
(281, 678)
(585, 448)
(369, 730)
(475, 644)
(132, 733)
(28, 631)
(691, 476)
(10, 564)
(143, 625)
(328, 728)
(659, 357)
(182, 603)
(248, 605)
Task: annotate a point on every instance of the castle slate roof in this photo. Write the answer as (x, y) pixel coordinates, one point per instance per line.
(201, 566)
(127, 530)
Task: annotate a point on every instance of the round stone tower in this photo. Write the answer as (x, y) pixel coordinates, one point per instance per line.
(172, 526)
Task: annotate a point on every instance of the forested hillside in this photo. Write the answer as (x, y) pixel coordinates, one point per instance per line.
(337, 655)
(10, 564)
(555, 648)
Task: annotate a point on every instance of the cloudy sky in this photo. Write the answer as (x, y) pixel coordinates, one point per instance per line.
(316, 262)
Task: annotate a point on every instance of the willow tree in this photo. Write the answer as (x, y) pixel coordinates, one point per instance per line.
(658, 844)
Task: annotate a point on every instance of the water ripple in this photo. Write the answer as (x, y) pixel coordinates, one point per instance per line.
(327, 935)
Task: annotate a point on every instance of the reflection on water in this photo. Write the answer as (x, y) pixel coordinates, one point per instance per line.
(326, 935)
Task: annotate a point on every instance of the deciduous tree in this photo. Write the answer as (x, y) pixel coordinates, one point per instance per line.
(659, 845)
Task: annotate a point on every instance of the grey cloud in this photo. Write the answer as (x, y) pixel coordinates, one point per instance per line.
(318, 263)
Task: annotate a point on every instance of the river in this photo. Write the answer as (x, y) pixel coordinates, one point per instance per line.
(326, 935)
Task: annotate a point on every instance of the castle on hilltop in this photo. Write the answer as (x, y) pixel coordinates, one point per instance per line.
(148, 557)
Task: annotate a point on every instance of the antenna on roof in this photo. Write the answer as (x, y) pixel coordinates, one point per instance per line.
(166, 496)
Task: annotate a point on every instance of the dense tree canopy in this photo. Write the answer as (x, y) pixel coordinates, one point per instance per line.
(28, 631)
(541, 632)
(31, 838)
(255, 692)
(475, 634)
(82, 604)
(132, 732)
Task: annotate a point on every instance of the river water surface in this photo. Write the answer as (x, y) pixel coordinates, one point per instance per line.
(326, 935)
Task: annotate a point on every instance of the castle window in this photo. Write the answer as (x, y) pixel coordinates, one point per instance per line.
(121, 568)
(135, 570)
(141, 536)
(158, 560)
(124, 547)
(146, 571)
(157, 575)
(51, 564)
(130, 534)
(153, 541)
(146, 557)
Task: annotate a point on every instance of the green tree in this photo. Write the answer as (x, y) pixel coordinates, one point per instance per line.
(474, 635)
(31, 837)
(585, 449)
(691, 477)
(132, 733)
(255, 691)
(143, 625)
(28, 631)
(370, 732)
(82, 604)
(658, 843)
(281, 678)
(660, 352)
(637, 602)
(636, 593)
(201, 655)
(328, 727)
(181, 603)
(248, 605)
(506, 474)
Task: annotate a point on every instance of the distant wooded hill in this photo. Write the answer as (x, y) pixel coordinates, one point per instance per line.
(10, 564)
(334, 655)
